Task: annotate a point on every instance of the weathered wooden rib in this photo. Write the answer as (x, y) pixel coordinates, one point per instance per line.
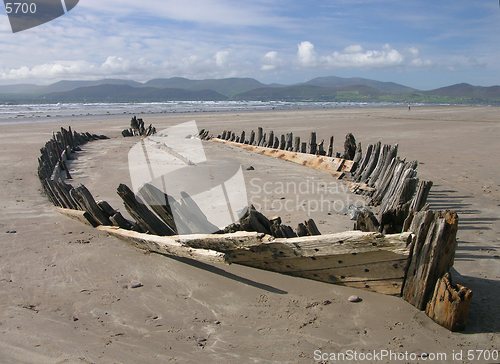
(335, 166)
(450, 304)
(433, 253)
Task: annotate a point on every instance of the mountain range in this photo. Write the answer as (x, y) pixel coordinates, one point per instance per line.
(182, 89)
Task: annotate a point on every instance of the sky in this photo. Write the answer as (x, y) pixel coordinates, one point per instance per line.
(420, 43)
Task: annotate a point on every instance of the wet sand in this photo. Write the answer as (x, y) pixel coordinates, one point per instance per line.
(65, 295)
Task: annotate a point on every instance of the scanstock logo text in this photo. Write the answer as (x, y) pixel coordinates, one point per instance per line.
(29, 14)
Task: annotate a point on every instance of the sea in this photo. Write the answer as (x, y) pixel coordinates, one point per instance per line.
(27, 112)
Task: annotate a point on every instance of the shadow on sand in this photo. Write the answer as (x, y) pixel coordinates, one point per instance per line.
(484, 310)
(469, 219)
(226, 274)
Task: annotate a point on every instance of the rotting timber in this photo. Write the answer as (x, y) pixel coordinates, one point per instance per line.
(399, 247)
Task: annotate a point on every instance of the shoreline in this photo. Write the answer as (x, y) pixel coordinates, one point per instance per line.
(294, 107)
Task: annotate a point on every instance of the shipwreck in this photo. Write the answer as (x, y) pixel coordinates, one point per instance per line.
(398, 246)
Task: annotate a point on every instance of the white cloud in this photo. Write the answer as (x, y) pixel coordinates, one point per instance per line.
(221, 58)
(356, 57)
(355, 48)
(271, 61)
(414, 51)
(306, 54)
(112, 66)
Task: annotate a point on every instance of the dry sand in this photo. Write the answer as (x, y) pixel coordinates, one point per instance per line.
(64, 295)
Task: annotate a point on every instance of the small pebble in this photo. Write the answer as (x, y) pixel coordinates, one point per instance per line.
(250, 168)
(135, 284)
(355, 299)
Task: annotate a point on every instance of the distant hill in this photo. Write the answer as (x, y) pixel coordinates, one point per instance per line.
(307, 93)
(182, 89)
(126, 93)
(467, 91)
(338, 82)
(226, 86)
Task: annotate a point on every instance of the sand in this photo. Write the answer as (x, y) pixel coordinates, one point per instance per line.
(65, 287)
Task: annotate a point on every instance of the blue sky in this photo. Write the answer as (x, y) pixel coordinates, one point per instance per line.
(420, 43)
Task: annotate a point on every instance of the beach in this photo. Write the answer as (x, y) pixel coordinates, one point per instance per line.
(66, 295)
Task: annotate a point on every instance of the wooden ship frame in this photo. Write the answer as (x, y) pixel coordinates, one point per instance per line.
(405, 249)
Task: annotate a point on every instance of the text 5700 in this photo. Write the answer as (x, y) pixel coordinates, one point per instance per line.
(20, 8)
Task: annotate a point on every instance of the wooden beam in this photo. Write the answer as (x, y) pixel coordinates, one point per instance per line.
(335, 166)
(81, 216)
(167, 245)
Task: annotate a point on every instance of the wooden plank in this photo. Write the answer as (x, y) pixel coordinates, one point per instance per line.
(169, 245)
(391, 287)
(81, 216)
(334, 166)
(298, 263)
(350, 258)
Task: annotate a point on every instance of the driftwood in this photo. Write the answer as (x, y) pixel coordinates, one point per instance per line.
(449, 305)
